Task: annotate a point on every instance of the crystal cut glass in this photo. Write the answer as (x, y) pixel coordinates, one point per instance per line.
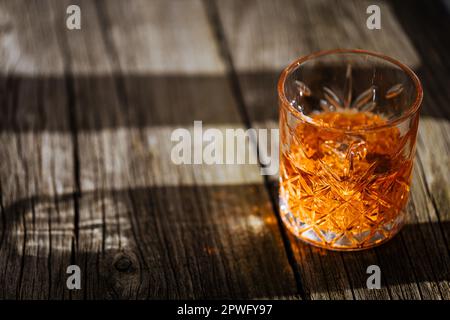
(348, 126)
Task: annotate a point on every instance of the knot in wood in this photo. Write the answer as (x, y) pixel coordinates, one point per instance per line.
(123, 264)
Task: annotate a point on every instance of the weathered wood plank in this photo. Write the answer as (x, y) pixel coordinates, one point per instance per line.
(158, 230)
(433, 141)
(430, 42)
(95, 109)
(36, 172)
(263, 37)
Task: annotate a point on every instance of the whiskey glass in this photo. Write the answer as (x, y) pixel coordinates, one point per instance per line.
(348, 126)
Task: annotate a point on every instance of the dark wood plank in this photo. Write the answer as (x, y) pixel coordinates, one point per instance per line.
(433, 143)
(264, 36)
(36, 172)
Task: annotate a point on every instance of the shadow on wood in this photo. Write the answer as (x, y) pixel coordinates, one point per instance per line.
(140, 243)
(158, 242)
(97, 102)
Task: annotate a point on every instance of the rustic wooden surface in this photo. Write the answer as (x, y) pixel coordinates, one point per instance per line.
(85, 170)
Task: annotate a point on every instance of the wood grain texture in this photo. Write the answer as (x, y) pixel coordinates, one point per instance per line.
(85, 171)
(264, 36)
(146, 228)
(36, 172)
(203, 237)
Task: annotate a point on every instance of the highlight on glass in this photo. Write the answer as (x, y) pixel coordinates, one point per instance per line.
(348, 126)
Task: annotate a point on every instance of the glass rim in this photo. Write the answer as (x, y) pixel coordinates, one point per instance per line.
(412, 109)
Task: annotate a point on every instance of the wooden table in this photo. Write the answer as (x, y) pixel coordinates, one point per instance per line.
(86, 176)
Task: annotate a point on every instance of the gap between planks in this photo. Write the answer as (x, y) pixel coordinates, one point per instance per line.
(224, 51)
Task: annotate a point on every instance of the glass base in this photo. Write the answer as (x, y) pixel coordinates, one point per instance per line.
(345, 240)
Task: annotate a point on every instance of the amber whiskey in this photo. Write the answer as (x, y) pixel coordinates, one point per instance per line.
(342, 184)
